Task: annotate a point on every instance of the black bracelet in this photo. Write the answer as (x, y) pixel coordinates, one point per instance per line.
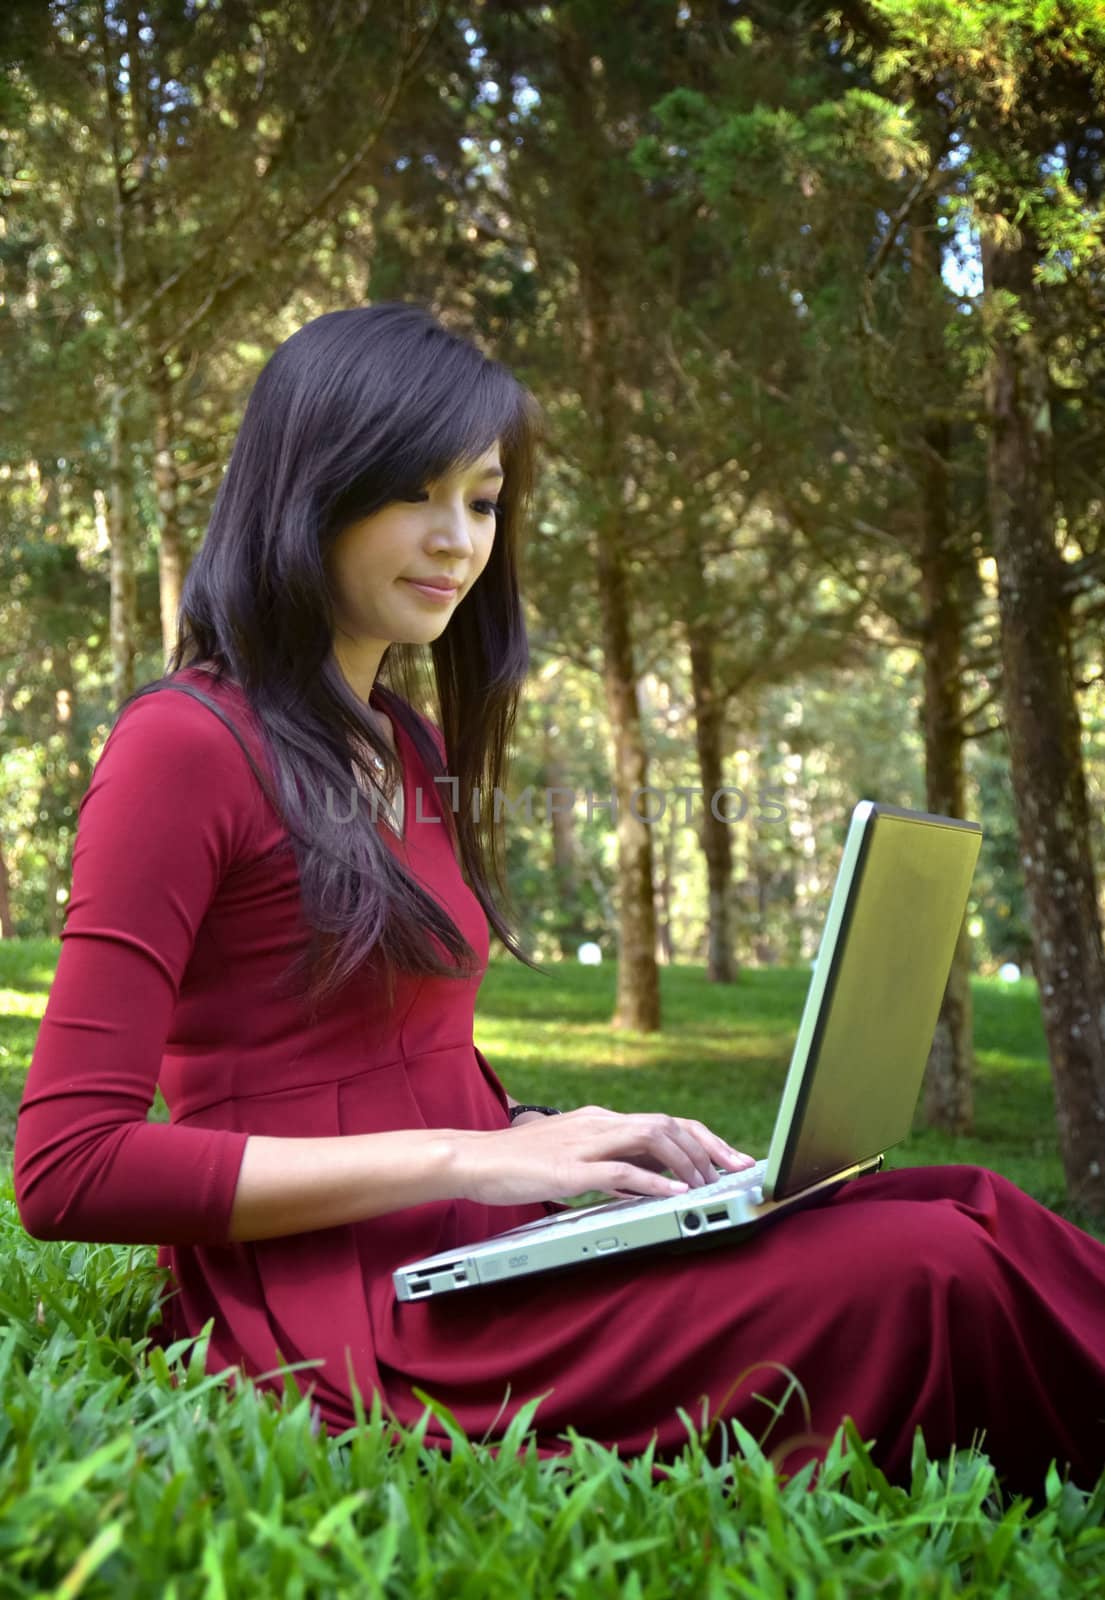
(549, 1111)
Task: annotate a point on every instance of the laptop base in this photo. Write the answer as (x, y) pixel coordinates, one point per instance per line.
(659, 1227)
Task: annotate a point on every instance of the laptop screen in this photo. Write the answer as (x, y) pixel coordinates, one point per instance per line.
(875, 995)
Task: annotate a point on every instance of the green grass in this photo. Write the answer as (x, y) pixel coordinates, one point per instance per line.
(113, 1481)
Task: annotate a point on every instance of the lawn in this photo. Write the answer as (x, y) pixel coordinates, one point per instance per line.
(115, 1481)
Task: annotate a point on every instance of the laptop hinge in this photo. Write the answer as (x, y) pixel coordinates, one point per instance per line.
(862, 1168)
(859, 1169)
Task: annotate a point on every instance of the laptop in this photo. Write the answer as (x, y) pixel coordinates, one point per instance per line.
(852, 1085)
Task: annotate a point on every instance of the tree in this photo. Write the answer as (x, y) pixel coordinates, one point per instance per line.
(1029, 84)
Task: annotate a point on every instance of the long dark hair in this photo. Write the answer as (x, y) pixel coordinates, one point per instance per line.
(357, 409)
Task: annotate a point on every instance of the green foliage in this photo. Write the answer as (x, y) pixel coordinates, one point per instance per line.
(128, 1471)
(113, 1480)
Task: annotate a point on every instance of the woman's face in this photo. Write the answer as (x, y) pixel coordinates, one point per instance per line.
(446, 533)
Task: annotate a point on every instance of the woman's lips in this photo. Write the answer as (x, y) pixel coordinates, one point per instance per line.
(440, 595)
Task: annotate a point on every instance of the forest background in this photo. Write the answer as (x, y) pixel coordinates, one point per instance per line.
(812, 296)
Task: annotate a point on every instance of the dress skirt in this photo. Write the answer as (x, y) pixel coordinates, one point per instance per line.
(937, 1297)
(942, 1298)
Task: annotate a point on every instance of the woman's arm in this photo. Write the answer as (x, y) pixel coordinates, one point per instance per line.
(171, 807)
(293, 1185)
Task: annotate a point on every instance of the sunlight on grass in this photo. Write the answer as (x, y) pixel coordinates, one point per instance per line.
(593, 1046)
(721, 1056)
(112, 1465)
(17, 1003)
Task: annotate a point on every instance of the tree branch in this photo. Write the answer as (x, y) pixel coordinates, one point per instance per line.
(983, 733)
(317, 208)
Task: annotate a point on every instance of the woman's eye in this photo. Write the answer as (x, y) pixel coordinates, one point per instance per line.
(486, 508)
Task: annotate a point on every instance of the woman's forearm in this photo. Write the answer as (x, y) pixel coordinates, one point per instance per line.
(288, 1185)
(295, 1185)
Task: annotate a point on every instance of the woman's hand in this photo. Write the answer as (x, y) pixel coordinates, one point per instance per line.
(555, 1158)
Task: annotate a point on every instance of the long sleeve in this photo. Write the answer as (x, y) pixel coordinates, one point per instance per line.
(171, 807)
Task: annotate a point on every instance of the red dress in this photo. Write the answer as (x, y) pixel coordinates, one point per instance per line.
(939, 1296)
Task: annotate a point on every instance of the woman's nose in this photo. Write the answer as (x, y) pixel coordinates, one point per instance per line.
(452, 533)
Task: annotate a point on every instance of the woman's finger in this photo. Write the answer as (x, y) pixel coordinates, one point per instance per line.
(691, 1160)
(719, 1147)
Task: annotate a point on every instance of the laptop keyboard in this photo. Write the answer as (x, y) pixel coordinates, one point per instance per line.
(747, 1178)
(728, 1183)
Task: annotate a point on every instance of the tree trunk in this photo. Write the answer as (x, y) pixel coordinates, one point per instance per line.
(716, 842)
(124, 589)
(570, 931)
(1044, 732)
(170, 553)
(7, 925)
(764, 876)
(665, 938)
(948, 1101)
(69, 765)
(638, 988)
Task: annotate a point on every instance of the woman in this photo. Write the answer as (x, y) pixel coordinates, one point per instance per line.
(298, 967)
